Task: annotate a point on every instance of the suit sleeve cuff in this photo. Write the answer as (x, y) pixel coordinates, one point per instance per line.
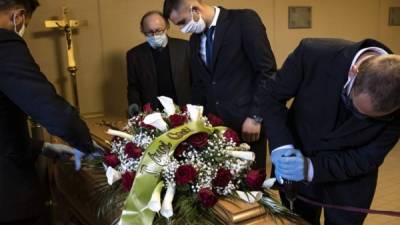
(310, 171)
(283, 147)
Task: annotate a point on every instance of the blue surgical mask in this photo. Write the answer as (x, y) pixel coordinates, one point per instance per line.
(158, 41)
(193, 26)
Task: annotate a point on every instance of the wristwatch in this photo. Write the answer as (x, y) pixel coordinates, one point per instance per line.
(256, 118)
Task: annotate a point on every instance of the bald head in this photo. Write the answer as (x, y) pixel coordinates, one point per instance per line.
(376, 90)
(152, 22)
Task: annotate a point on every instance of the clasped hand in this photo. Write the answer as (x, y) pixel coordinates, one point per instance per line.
(290, 164)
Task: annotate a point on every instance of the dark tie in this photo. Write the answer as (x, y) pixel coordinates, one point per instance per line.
(209, 45)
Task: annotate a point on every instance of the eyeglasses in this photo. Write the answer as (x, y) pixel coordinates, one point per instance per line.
(155, 32)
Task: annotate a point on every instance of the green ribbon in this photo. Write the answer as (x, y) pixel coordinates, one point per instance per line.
(156, 157)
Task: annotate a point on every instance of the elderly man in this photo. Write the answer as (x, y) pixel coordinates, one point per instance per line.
(342, 123)
(158, 67)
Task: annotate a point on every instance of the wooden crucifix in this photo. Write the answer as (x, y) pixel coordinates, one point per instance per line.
(66, 25)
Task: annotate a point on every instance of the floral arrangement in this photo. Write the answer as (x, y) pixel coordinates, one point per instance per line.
(193, 173)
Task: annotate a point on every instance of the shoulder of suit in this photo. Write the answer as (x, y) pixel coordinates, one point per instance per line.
(10, 37)
(324, 44)
(137, 49)
(334, 44)
(246, 13)
(178, 41)
(374, 43)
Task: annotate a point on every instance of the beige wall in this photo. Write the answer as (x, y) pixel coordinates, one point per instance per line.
(113, 28)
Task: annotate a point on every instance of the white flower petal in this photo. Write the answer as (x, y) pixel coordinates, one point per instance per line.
(250, 197)
(268, 183)
(195, 112)
(167, 210)
(168, 104)
(112, 175)
(155, 201)
(245, 155)
(119, 134)
(156, 121)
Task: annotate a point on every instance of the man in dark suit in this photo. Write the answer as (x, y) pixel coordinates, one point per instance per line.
(231, 59)
(343, 121)
(158, 67)
(24, 91)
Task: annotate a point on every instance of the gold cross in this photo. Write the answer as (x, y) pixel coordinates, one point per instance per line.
(67, 25)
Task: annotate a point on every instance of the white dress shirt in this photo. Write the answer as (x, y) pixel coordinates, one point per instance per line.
(203, 40)
(348, 85)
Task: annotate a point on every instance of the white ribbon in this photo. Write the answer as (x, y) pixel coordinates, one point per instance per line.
(156, 121)
(119, 134)
(155, 201)
(245, 155)
(167, 210)
(195, 112)
(112, 175)
(250, 197)
(168, 104)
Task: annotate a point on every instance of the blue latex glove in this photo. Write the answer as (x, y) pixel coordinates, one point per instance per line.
(292, 167)
(278, 154)
(78, 155)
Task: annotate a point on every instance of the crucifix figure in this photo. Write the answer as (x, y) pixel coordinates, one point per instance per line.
(66, 25)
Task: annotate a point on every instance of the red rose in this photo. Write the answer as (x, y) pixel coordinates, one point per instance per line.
(223, 177)
(147, 108)
(207, 198)
(127, 180)
(215, 120)
(199, 140)
(255, 178)
(177, 120)
(111, 160)
(183, 108)
(185, 174)
(132, 150)
(182, 147)
(231, 135)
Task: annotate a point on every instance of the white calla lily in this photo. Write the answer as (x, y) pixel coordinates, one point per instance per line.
(168, 104)
(155, 201)
(119, 134)
(250, 197)
(156, 121)
(167, 209)
(268, 183)
(195, 112)
(245, 155)
(112, 175)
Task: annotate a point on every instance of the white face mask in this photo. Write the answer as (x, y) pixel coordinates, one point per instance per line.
(193, 26)
(158, 41)
(21, 32)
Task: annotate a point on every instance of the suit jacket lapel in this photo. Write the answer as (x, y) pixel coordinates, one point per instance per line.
(173, 61)
(222, 25)
(203, 69)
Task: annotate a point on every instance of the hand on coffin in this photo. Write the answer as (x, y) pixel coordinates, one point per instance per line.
(78, 155)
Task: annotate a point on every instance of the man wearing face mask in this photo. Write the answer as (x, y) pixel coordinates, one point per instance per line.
(231, 60)
(158, 67)
(24, 91)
